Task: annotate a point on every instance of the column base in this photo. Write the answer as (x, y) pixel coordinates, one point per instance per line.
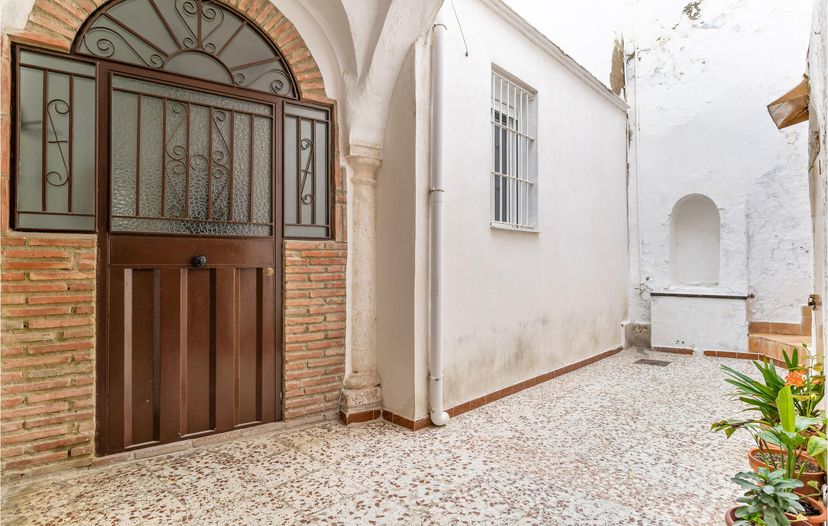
(360, 405)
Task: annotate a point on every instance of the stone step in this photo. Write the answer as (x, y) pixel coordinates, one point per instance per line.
(772, 344)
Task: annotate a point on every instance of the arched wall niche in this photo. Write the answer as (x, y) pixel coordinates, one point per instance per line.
(695, 241)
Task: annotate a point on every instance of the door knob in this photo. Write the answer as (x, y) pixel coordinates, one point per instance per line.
(200, 261)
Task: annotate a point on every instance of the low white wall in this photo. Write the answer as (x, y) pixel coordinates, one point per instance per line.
(520, 304)
(699, 323)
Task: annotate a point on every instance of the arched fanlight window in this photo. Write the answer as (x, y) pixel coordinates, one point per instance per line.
(197, 38)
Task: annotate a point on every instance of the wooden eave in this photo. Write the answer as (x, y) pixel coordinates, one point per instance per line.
(792, 107)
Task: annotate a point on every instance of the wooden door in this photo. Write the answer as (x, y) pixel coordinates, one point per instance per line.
(192, 272)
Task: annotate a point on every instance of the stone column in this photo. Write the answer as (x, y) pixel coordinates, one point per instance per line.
(362, 393)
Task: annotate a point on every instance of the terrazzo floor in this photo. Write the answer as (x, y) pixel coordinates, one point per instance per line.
(614, 443)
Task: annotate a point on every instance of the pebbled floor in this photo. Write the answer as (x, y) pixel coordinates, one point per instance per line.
(614, 443)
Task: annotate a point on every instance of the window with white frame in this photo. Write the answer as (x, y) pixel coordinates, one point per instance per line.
(514, 202)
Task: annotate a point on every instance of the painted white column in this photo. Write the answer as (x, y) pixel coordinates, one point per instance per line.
(362, 383)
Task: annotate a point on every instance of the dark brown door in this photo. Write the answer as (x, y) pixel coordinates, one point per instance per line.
(192, 266)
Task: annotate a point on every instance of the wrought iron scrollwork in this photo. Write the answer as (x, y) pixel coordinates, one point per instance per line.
(182, 163)
(99, 41)
(193, 26)
(53, 108)
(280, 85)
(176, 163)
(307, 172)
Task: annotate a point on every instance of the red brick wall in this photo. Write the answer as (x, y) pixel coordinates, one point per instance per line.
(314, 291)
(48, 350)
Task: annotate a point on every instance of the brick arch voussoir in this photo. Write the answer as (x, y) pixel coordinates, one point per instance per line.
(57, 22)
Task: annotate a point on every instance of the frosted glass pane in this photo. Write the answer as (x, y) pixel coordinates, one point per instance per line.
(306, 112)
(53, 62)
(221, 137)
(320, 172)
(306, 152)
(83, 147)
(204, 228)
(30, 137)
(241, 168)
(262, 170)
(175, 158)
(152, 148)
(305, 231)
(198, 160)
(124, 141)
(55, 222)
(291, 181)
(57, 143)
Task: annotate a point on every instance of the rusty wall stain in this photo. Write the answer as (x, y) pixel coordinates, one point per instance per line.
(617, 75)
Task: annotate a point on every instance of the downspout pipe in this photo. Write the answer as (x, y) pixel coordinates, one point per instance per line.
(436, 412)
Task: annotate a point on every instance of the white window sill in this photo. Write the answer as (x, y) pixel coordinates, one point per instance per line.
(506, 226)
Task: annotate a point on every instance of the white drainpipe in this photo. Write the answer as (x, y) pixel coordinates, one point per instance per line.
(435, 355)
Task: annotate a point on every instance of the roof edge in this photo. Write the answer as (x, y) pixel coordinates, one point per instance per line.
(552, 49)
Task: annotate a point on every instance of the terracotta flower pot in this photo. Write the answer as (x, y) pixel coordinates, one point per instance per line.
(813, 520)
(756, 462)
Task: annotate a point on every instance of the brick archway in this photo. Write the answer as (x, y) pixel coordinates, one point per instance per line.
(58, 21)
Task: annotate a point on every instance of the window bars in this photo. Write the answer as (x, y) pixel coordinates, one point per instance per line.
(513, 180)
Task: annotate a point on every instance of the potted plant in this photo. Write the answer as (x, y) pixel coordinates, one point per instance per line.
(784, 445)
(787, 428)
(769, 500)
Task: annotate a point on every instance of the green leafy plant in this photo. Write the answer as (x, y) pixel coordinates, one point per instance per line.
(788, 436)
(807, 383)
(818, 446)
(768, 497)
(757, 395)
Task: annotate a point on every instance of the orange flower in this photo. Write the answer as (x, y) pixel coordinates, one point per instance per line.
(795, 378)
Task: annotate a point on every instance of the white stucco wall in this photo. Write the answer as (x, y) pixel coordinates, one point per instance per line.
(395, 248)
(699, 77)
(520, 304)
(403, 240)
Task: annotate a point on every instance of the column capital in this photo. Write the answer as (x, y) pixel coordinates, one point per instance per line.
(365, 160)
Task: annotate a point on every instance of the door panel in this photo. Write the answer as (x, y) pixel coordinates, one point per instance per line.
(141, 380)
(192, 351)
(199, 357)
(191, 344)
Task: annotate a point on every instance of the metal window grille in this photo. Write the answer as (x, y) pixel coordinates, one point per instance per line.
(514, 173)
